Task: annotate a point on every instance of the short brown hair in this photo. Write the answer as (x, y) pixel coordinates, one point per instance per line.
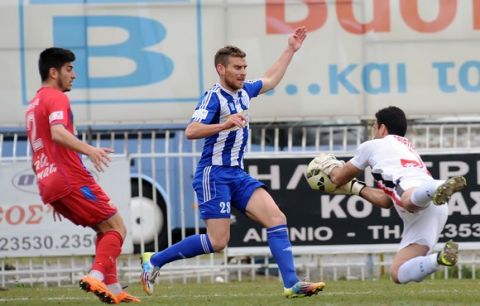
(221, 57)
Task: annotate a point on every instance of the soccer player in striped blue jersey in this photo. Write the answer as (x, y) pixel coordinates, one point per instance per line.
(221, 118)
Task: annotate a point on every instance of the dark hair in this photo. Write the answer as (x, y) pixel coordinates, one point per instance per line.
(394, 119)
(221, 57)
(53, 58)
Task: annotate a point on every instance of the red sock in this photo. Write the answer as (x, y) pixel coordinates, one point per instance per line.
(111, 274)
(97, 241)
(108, 248)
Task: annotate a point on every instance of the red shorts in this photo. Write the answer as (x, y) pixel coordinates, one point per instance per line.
(86, 205)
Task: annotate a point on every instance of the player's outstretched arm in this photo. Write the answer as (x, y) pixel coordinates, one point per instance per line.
(339, 178)
(354, 187)
(344, 174)
(275, 73)
(377, 197)
(98, 156)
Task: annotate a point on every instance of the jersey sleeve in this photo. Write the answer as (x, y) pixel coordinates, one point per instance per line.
(362, 155)
(58, 109)
(207, 109)
(253, 87)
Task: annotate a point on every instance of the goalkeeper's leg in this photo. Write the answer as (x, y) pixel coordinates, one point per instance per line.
(421, 232)
(437, 192)
(412, 264)
(417, 268)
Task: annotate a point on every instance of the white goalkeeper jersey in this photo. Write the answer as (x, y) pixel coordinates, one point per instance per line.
(217, 104)
(395, 165)
(392, 159)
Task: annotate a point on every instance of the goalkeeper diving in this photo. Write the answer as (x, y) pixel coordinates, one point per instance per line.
(318, 178)
(403, 182)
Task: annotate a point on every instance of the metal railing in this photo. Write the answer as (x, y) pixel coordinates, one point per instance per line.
(168, 159)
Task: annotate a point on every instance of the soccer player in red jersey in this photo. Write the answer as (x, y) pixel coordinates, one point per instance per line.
(63, 180)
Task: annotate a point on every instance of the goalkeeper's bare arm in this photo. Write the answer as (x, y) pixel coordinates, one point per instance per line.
(343, 175)
(377, 197)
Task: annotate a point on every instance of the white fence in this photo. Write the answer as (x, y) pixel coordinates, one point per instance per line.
(164, 208)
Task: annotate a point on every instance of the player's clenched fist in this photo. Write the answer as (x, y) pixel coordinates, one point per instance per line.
(235, 120)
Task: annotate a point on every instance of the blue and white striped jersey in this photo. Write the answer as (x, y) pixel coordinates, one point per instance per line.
(217, 104)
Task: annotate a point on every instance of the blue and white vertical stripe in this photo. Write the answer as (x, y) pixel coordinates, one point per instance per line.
(207, 191)
(206, 245)
(226, 148)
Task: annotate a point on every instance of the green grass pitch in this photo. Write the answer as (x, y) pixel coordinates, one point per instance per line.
(266, 292)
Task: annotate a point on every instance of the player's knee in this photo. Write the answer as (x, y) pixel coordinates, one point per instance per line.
(394, 274)
(407, 203)
(279, 218)
(122, 230)
(119, 226)
(405, 197)
(219, 243)
(115, 223)
(218, 247)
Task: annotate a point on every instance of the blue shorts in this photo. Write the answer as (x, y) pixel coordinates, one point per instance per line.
(219, 188)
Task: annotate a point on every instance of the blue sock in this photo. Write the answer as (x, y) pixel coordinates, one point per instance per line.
(281, 249)
(189, 247)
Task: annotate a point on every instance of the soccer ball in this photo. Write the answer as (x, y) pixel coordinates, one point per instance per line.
(319, 180)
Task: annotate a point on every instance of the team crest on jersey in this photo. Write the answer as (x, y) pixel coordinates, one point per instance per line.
(231, 106)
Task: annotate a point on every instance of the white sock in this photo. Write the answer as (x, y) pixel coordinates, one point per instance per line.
(115, 288)
(417, 268)
(96, 274)
(423, 194)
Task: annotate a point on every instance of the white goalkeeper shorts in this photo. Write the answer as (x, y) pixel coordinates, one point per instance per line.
(410, 182)
(423, 227)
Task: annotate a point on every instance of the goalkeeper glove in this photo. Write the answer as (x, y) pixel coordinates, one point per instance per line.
(353, 187)
(324, 162)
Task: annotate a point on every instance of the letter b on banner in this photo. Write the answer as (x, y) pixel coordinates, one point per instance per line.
(151, 67)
